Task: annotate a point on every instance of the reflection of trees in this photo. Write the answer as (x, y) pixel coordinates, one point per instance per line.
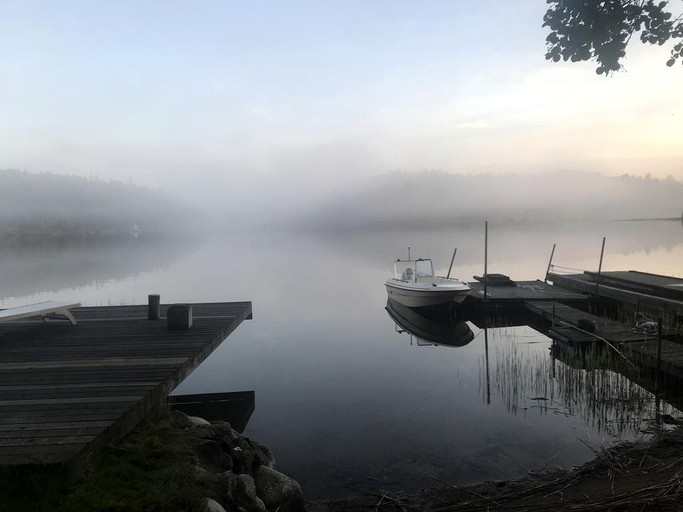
(586, 385)
(53, 265)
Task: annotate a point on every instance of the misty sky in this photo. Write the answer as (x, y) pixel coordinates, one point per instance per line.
(222, 95)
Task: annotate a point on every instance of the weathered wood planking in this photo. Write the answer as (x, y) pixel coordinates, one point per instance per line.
(523, 290)
(66, 391)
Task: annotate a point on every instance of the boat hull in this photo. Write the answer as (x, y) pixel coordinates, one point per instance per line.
(425, 296)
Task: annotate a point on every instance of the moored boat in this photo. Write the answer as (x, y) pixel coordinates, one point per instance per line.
(415, 285)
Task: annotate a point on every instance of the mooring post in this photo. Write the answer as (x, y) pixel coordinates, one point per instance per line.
(550, 264)
(597, 281)
(486, 259)
(153, 307)
(452, 260)
(179, 317)
(659, 353)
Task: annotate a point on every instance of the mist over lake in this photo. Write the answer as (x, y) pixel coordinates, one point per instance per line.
(345, 401)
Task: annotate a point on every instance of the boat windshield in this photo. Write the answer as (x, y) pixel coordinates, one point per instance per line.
(411, 270)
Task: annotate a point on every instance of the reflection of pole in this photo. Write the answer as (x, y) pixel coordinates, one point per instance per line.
(486, 258)
(597, 281)
(550, 263)
(486, 351)
(659, 354)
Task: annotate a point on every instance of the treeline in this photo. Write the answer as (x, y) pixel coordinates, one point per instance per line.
(431, 198)
(56, 206)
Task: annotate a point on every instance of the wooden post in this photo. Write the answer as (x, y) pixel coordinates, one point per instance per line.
(179, 317)
(153, 309)
(550, 264)
(486, 259)
(659, 354)
(597, 281)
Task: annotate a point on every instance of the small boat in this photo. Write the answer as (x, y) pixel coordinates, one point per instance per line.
(415, 285)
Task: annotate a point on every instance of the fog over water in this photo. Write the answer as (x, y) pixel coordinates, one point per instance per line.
(345, 402)
(287, 154)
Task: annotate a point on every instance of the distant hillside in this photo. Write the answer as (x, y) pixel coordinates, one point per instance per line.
(437, 198)
(56, 206)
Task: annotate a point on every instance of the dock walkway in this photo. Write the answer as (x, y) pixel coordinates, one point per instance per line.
(67, 390)
(639, 289)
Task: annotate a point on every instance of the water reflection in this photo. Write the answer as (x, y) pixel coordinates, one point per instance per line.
(54, 265)
(594, 384)
(433, 326)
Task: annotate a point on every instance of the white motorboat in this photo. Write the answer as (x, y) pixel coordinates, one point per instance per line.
(415, 285)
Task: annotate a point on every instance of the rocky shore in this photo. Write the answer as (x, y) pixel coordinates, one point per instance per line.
(238, 474)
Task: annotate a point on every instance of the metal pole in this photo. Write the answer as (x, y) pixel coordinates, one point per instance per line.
(597, 281)
(486, 258)
(550, 264)
(452, 260)
(408, 253)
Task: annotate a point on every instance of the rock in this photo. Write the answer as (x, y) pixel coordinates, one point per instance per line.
(247, 455)
(278, 491)
(181, 419)
(213, 506)
(245, 494)
(196, 421)
(213, 452)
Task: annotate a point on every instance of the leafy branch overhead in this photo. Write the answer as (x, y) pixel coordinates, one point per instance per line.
(601, 30)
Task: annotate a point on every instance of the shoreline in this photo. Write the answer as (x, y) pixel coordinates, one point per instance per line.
(640, 475)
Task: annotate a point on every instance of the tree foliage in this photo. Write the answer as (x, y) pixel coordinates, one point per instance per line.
(600, 30)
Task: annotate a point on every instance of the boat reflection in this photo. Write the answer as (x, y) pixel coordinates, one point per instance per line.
(430, 326)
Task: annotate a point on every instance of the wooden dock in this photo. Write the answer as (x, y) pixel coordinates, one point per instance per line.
(640, 290)
(569, 321)
(66, 391)
(560, 311)
(521, 291)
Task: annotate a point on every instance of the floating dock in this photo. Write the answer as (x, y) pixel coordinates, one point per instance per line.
(68, 390)
(561, 311)
(640, 290)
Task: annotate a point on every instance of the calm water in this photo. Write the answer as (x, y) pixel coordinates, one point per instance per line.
(344, 401)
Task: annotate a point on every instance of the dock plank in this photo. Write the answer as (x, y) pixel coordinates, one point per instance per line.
(66, 391)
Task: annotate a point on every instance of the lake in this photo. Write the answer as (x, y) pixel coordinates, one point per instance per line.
(345, 402)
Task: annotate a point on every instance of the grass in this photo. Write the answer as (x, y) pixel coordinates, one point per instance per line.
(151, 470)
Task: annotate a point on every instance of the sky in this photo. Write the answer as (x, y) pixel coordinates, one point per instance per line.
(208, 97)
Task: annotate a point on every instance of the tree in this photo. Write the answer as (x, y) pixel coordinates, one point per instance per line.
(600, 30)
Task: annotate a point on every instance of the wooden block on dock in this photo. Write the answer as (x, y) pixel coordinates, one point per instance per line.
(179, 317)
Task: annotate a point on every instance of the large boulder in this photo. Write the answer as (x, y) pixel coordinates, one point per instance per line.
(213, 506)
(213, 453)
(245, 496)
(246, 454)
(278, 491)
